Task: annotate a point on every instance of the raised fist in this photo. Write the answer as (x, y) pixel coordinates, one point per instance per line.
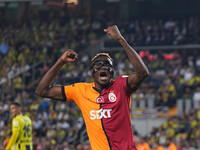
(69, 56)
(114, 32)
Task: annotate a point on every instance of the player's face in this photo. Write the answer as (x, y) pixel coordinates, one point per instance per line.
(102, 71)
(15, 110)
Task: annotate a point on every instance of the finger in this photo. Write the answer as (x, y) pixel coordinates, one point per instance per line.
(72, 56)
(109, 32)
(76, 57)
(73, 52)
(114, 26)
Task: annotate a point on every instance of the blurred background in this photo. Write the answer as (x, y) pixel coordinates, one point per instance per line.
(165, 33)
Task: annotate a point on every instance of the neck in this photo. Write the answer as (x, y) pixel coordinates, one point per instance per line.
(100, 87)
(98, 90)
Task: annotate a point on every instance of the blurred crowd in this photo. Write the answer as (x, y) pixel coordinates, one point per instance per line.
(39, 37)
(170, 31)
(177, 133)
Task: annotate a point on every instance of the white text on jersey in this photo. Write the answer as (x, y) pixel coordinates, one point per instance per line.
(99, 114)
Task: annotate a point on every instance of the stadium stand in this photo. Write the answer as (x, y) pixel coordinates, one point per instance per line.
(41, 35)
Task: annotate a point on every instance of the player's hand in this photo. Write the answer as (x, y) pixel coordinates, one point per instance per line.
(69, 56)
(114, 32)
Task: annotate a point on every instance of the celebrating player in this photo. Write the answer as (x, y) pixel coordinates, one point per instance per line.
(105, 103)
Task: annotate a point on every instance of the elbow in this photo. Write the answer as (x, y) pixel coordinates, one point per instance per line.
(39, 93)
(144, 74)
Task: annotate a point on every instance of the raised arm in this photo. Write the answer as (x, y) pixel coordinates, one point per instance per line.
(141, 70)
(44, 88)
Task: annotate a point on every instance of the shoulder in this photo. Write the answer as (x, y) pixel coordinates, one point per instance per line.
(16, 120)
(121, 78)
(27, 117)
(18, 117)
(80, 85)
(122, 81)
(83, 84)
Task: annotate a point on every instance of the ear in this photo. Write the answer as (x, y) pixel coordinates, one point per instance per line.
(18, 109)
(91, 71)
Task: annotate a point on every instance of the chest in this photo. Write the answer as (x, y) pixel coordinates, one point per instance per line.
(113, 97)
(110, 96)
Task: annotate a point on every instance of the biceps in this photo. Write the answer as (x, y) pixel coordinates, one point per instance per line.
(55, 92)
(134, 81)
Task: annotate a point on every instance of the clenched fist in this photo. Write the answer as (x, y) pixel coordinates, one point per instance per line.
(114, 32)
(69, 56)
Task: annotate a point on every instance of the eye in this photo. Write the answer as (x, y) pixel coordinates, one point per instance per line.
(108, 65)
(99, 63)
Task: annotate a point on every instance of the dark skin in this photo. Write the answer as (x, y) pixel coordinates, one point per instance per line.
(102, 82)
(134, 80)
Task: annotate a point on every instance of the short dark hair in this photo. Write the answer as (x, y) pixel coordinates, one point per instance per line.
(16, 104)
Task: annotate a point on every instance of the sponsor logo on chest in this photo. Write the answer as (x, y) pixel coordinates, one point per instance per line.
(111, 97)
(99, 114)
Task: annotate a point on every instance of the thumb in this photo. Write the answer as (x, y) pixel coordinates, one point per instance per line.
(105, 30)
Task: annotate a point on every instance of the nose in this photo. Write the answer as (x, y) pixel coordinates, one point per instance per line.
(104, 66)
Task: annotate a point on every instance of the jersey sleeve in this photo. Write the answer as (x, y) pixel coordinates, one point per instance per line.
(123, 81)
(70, 91)
(15, 133)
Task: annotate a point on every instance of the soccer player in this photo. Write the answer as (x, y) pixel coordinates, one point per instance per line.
(105, 103)
(21, 138)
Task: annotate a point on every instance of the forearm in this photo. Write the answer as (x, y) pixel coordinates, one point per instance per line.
(44, 85)
(136, 61)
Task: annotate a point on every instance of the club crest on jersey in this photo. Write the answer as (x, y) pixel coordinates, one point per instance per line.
(112, 97)
(15, 123)
(100, 99)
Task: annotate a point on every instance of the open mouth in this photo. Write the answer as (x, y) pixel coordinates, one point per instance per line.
(103, 74)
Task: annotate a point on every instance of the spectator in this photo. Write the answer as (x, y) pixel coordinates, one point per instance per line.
(196, 98)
